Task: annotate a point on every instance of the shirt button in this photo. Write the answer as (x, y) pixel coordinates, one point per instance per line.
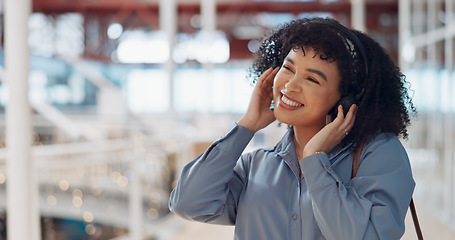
(294, 216)
(328, 168)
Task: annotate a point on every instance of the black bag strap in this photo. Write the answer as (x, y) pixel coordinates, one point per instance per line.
(355, 167)
(416, 220)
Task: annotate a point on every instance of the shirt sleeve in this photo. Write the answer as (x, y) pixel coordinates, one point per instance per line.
(373, 204)
(210, 185)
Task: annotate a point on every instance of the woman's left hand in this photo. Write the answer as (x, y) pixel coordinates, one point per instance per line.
(332, 134)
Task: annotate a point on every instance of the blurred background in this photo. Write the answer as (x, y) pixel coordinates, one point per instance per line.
(122, 93)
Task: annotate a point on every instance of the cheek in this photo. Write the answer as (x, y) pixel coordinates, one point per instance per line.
(332, 100)
(276, 93)
(276, 87)
(335, 96)
(323, 100)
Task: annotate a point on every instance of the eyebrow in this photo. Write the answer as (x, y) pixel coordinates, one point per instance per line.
(317, 72)
(289, 60)
(309, 69)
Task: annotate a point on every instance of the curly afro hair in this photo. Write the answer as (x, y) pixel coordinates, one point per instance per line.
(380, 89)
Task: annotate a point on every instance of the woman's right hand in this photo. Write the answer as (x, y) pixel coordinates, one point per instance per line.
(259, 115)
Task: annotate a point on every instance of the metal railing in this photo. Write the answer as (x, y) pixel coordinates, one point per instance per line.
(123, 183)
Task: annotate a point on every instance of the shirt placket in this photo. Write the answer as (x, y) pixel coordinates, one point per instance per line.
(294, 217)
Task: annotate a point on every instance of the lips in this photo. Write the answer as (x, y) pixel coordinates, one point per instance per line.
(290, 102)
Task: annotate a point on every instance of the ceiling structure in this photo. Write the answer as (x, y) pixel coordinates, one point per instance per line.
(381, 19)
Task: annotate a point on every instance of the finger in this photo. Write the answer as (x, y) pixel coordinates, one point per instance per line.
(264, 76)
(340, 116)
(349, 121)
(350, 116)
(354, 116)
(268, 81)
(341, 123)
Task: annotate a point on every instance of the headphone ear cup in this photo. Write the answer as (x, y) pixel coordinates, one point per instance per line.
(346, 102)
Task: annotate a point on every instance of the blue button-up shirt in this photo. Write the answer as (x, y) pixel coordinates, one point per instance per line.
(263, 195)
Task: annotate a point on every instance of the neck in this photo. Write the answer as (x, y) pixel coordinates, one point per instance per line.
(301, 137)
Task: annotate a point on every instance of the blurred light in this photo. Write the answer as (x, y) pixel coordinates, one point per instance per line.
(62, 34)
(77, 202)
(220, 51)
(90, 229)
(227, 92)
(77, 193)
(146, 90)
(4, 94)
(156, 204)
(196, 21)
(182, 50)
(52, 200)
(408, 52)
(88, 216)
(122, 181)
(271, 20)
(38, 86)
(155, 195)
(2, 178)
(248, 32)
(96, 191)
(141, 47)
(69, 34)
(59, 94)
(445, 91)
(115, 30)
(152, 213)
(203, 47)
(115, 176)
(64, 185)
(129, 174)
(254, 45)
(76, 83)
(211, 47)
(40, 35)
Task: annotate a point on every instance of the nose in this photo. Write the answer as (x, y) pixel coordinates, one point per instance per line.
(292, 86)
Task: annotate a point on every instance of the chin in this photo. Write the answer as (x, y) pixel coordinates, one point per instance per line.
(282, 117)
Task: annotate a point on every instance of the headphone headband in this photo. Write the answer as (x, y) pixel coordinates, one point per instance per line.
(348, 35)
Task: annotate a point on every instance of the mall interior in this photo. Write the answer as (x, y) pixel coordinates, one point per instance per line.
(102, 102)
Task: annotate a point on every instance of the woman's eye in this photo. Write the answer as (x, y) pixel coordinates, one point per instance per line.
(313, 80)
(287, 68)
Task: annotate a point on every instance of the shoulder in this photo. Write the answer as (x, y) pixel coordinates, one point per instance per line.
(384, 149)
(383, 142)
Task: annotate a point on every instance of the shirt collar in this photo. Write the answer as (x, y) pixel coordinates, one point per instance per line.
(286, 146)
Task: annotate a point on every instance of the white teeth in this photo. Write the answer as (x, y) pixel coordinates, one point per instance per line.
(290, 102)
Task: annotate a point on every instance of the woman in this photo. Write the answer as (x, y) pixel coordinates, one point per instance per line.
(341, 95)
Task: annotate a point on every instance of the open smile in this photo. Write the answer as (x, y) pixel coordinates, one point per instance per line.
(290, 102)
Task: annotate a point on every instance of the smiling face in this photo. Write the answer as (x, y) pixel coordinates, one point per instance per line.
(306, 88)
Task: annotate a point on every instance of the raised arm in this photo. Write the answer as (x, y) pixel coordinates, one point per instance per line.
(209, 186)
(372, 205)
